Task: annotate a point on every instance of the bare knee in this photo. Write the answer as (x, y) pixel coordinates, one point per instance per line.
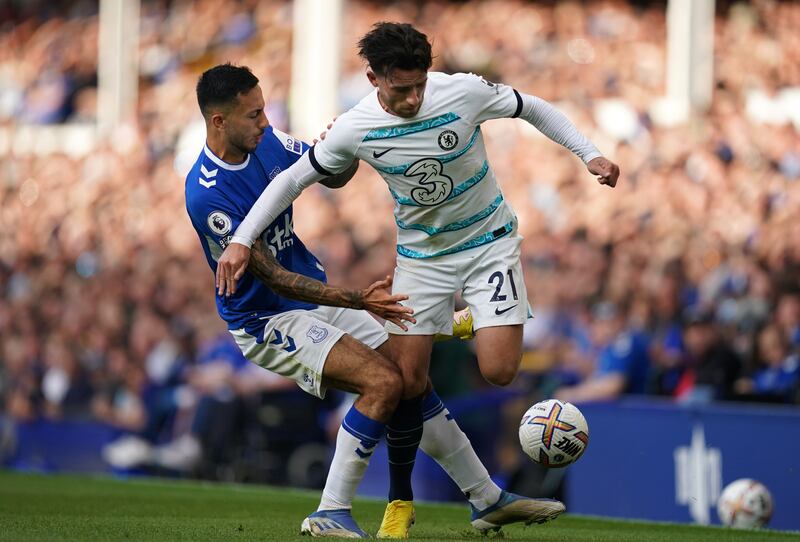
(414, 386)
(415, 379)
(393, 384)
(499, 351)
(384, 389)
(501, 374)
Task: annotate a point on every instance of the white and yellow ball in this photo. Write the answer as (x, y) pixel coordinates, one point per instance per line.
(554, 433)
(745, 504)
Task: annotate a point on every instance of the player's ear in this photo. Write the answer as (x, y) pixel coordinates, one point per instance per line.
(373, 79)
(217, 120)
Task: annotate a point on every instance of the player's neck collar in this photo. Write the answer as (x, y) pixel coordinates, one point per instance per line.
(222, 163)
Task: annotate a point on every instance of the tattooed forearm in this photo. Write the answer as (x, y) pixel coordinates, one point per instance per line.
(268, 270)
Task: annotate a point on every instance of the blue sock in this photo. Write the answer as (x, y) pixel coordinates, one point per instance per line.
(431, 406)
(367, 430)
(403, 433)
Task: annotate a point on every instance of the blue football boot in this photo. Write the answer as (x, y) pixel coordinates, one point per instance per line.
(338, 523)
(511, 508)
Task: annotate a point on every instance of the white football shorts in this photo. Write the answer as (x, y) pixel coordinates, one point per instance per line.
(295, 344)
(489, 278)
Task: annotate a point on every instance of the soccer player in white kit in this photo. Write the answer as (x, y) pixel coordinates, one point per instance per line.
(456, 233)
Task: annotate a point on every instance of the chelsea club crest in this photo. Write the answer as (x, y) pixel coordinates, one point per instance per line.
(448, 140)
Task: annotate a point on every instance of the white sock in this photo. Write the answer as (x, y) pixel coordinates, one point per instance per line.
(350, 459)
(446, 443)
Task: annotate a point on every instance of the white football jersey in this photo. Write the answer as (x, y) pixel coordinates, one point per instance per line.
(446, 196)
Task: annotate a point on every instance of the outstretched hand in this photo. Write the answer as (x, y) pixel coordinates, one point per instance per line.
(379, 301)
(607, 171)
(230, 268)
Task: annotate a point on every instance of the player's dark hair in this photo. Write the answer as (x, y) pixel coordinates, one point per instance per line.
(395, 45)
(220, 85)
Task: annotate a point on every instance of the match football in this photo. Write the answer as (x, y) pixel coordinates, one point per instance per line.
(554, 434)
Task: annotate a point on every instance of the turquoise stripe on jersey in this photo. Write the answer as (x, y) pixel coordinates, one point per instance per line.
(457, 191)
(413, 128)
(461, 224)
(472, 243)
(472, 181)
(397, 170)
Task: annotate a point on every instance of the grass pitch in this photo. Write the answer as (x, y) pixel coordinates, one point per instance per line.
(58, 508)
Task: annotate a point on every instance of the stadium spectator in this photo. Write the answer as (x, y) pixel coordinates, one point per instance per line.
(787, 316)
(777, 377)
(622, 360)
(711, 366)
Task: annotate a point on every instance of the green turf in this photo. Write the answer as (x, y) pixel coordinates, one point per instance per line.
(45, 508)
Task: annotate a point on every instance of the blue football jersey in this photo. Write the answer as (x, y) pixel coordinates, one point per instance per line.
(218, 197)
(627, 354)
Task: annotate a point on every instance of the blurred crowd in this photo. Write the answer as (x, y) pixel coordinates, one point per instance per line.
(684, 281)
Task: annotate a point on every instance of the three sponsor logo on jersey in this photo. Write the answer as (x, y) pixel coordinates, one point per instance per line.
(435, 187)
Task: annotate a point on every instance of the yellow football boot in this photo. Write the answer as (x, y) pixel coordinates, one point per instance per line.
(462, 327)
(397, 520)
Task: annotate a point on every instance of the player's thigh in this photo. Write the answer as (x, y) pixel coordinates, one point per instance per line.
(354, 364)
(494, 289)
(295, 345)
(494, 285)
(431, 285)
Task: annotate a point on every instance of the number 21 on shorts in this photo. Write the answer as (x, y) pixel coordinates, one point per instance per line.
(498, 280)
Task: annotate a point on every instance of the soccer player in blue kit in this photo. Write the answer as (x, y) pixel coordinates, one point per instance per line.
(286, 319)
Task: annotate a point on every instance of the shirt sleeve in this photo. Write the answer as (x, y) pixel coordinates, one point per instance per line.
(216, 219)
(293, 147)
(337, 151)
(555, 125)
(488, 100)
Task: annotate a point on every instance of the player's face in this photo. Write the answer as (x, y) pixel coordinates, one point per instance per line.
(400, 91)
(245, 123)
